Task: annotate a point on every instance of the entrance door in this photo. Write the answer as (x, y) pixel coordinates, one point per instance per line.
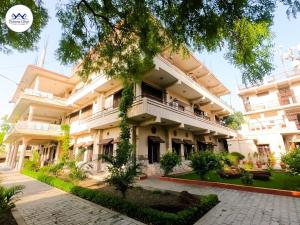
(202, 146)
(187, 150)
(176, 147)
(153, 151)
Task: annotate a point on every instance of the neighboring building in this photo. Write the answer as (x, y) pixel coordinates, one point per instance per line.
(177, 106)
(272, 112)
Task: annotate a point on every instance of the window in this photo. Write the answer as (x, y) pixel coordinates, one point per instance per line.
(108, 149)
(152, 92)
(117, 98)
(108, 103)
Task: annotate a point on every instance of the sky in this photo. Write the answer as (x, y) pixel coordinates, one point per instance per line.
(286, 33)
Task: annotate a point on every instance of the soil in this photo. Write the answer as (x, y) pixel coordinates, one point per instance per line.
(7, 219)
(167, 201)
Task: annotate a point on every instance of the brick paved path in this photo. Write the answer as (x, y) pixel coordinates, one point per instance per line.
(42, 204)
(238, 207)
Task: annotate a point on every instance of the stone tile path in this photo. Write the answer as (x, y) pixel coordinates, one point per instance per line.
(238, 207)
(42, 204)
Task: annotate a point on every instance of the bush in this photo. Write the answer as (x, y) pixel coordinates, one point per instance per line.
(144, 214)
(204, 161)
(7, 197)
(292, 160)
(169, 161)
(247, 178)
(33, 164)
(235, 158)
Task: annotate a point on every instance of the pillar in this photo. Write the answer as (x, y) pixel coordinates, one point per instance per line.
(8, 151)
(134, 153)
(30, 114)
(22, 154)
(100, 102)
(37, 83)
(182, 151)
(96, 150)
(138, 90)
(12, 161)
(57, 152)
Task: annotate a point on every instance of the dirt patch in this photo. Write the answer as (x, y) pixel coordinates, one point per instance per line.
(167, 201)
(7, 219)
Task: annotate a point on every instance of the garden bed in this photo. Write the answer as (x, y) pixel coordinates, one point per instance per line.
(280, 183)
(7, 218)
(151, 207)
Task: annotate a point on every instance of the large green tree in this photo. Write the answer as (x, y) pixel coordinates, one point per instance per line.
(22, 41)
(4, 127)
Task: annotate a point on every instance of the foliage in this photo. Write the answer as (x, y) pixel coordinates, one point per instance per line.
(204, 161)
(65, 141)
(168, 161)
(247, 178)
(144, 214)
(8, 197)
(235, 120)
(25, 40)
(271, 160)
(35, 163)
(4, 127)
(248, 165)
(292, 160)
(280, 180)
(235, 158)
(76, 171)
(123, 168)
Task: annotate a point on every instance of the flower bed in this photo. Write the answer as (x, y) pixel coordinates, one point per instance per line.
(144, 214)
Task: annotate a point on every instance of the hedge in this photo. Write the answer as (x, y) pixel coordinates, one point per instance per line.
(143, 214)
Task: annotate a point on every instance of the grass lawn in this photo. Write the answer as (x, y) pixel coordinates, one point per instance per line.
(278, 180)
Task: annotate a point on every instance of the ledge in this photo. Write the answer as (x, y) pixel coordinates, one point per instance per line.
(280, 192)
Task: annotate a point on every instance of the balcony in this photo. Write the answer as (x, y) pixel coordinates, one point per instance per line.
(44, 96)
(275, 104)
(34, 130)
(145, 108)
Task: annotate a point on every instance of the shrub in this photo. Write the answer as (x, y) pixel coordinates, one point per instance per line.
(247, 178)
(248, 165)
(33, 164)
(144, 214)
(292, 160)
(169, 161)
(235, 158)
(204, 161)
(7, 197)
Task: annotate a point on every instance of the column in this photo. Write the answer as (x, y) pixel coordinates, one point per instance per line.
(182, 151)
(57, 152)
(37, 83)
(30, 114)
(138, 90)
(8, 151)
(12, 161)
(22, 153)
(134, 153)
(85, 155)
(96, 150)
(100, 101)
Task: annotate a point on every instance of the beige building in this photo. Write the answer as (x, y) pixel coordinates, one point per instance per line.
(272, 112)
(177, 106)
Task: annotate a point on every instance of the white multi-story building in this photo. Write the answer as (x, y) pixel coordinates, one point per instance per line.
(177, 106)
(272, 112)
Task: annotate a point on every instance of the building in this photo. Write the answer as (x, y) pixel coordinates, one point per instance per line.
(272, 111)
(177, 106)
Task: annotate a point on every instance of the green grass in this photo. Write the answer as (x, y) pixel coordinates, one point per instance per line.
(278, 180)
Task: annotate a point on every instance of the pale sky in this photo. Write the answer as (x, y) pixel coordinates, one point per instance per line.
(287, 33)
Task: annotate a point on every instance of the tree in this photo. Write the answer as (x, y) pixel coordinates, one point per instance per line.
(235, 120)
(4, 127)
(26, 40)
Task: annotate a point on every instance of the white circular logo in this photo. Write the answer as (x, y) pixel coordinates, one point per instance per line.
(19, 18)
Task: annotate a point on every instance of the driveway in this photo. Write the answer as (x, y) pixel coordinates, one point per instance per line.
(239, 207)
(42, 204)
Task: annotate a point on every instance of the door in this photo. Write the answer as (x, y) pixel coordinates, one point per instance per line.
(176, 147)
(153, 151)
(187, 150)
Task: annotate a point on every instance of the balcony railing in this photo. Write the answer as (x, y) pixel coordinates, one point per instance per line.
(271, 104)
(43, 94)
(276, 124)
(34, 126)
(168, 105)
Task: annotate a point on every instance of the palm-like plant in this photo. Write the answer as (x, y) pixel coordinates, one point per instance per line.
(8, 197)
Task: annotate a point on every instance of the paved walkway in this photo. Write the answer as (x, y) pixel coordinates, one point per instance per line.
(42, 204)
(239, 207)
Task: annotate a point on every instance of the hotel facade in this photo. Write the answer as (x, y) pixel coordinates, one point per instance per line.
(272, 112)
(177, 107)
